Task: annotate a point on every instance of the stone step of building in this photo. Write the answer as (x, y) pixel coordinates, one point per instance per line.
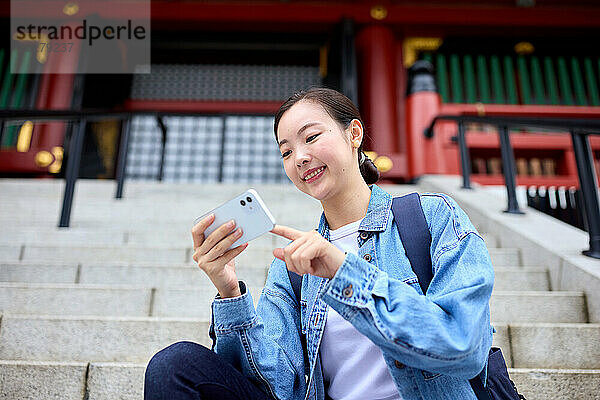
(556, 384)
(136, 339)
(125, 381)
(150, 275)
(518, 306)
(521, 278)
(109, 300)
(549, 345)
(253, 255)
(194, 302)
(178, 275)
(128, 236)
(80, 338)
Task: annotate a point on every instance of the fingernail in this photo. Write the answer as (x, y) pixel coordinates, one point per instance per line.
(230, 223)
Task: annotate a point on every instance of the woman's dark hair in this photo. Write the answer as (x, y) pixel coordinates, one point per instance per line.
(342, 110)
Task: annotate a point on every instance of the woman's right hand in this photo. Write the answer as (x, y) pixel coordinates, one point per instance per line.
(211, 256)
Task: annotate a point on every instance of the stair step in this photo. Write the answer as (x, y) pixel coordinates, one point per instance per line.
(109, 300)
(505, 257)
(75, 299)
(189, 301)
(29, 337)
(556, 384)
(10, 253)
(567, 307)
(47, 338)
(253, 255)
(109, 381)
(521, 278)
(148, 275)
(168, 274)
(526, 345)
(42, 273)
(45, 380)
(567, 346)
(161, 236)
(190, 276)
(125, 381)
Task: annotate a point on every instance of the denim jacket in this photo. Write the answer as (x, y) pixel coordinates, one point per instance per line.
(431, 344)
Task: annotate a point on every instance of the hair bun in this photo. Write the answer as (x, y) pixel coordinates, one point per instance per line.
(369, 170)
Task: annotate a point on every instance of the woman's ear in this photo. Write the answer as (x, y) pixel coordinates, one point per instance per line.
(356, 132)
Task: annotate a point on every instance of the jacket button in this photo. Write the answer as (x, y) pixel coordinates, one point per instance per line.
(347, 292)
(367, 257)
(364, 235)
(398, 364)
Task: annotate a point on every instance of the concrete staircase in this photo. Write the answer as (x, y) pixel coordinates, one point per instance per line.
(85, 308)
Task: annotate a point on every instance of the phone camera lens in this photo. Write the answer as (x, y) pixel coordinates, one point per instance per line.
(242, 202)
(249, 199)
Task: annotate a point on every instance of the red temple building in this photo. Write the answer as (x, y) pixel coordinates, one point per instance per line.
(231, 64)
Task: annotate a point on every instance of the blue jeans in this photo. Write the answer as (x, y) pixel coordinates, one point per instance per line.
(186, 370)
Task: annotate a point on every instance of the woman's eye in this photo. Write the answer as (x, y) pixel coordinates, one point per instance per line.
(307, 139)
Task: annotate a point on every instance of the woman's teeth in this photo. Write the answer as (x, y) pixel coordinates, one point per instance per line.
(314, 173)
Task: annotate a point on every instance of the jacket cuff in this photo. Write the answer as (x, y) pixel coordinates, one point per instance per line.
(352, 283)
(233, 313)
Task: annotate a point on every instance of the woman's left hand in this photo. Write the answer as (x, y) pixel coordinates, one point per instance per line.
(309, 253)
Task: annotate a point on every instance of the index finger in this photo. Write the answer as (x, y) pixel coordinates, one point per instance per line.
(200, 227)
(286, 232)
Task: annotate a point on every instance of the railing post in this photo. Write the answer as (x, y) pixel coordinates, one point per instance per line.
(509, 168)
(163, 130)
(122, 160)
(1, 131)
(588, 182)
(465, 159)
(72, 171)
(222, 153)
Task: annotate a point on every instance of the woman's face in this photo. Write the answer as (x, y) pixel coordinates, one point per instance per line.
(311, 139)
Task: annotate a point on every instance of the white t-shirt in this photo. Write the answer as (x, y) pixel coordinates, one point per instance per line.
(353, 366)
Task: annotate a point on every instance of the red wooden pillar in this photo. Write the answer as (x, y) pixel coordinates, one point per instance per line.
(376, 59)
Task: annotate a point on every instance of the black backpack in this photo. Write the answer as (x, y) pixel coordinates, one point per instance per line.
(414, 233)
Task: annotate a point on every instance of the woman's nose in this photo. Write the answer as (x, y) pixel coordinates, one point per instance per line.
(302, 159)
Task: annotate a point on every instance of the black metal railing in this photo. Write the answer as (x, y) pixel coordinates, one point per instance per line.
(565, 204)
(579, 130)
(74, 147)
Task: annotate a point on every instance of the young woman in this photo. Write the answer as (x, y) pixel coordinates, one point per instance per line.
(370, 331)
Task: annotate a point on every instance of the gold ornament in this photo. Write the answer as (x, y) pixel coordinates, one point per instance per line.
(70, 9)
(383, 163)
(378, 12)
(43, 159)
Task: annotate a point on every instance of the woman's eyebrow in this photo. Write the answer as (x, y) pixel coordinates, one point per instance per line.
(305, 127)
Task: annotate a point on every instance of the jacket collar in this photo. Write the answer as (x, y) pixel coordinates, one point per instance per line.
(377, 216)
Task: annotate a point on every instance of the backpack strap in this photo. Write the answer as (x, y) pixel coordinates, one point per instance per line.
(414, 233)
(416, 239)
(296, 281)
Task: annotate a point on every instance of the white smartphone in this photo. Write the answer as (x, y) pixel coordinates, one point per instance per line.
(248, 211)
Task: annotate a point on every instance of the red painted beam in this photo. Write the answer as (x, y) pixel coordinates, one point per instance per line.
(435, 14)
(15, 162)
(499, 110)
